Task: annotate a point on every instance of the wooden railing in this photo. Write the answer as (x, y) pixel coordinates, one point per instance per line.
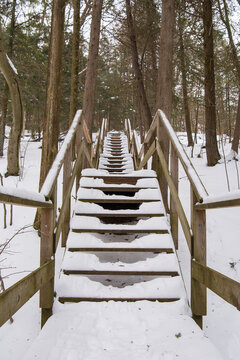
(161, 143)
(77, 145)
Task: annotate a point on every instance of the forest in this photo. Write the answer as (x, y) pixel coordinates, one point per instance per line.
(181, 56)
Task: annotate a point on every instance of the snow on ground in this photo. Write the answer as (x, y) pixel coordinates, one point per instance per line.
(223, 227)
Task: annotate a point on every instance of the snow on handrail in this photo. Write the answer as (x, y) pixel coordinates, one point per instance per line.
(198, 187)
(15, 196)
(220, 201)
(49, 182)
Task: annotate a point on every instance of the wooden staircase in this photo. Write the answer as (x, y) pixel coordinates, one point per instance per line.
(119, 247)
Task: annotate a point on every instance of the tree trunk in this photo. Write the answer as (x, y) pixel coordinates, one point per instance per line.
(165, 82)
(184, 82)
(210, 102)
(165, 69)
(143, 103)
(91, 73)
(3, 117)
(11, 77)
(53, 94)
(236, 133)
(75, 59)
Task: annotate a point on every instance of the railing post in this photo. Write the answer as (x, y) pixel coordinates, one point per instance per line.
(144, 153)
(67, 173)
(173, 211)
(198, 291)
(164, 142)
(46, 253)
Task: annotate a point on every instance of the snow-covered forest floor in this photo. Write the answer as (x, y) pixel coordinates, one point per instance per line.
(223, 231)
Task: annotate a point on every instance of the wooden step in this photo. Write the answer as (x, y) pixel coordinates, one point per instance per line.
(116, 214)
(128, 250)
(116, 231)
(127, 201)
(115, 189)
(91, 240)
(97, 299)
(121, 273)
(121, 287)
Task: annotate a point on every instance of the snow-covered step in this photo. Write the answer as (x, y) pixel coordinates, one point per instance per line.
(82, 287)
(143, 195)
(147, 209)
(136, 175)
(92, 224)
(161, 264)
(106, 241)
(140, 184)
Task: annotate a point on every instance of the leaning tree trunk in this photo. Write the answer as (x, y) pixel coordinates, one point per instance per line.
(210, 102)
(91, 73)
(143, 103)
(10, 75)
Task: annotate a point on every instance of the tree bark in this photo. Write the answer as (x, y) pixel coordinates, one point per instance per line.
(91, 73)
(143, 103)
(165, 82)
(210, 101)
(4, 107)
(236, 134)
(165, 69)
(11, 77)
(184, 82)
(53, 94)
(75, 59)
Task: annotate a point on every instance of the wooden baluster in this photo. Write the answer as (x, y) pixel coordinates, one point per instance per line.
(164, 143)
(48, 219)
(67, 173)
(198, 291)
(173, 211)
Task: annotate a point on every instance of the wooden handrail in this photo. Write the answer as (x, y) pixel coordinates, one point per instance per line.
(42, 278)
(225, 287)
(86, 132)
(67, 195)
(149, 153)
(23, 197)
(222, 201)
(12, 299)
(195, 181)
(54, 171)
(182, 216)
(151, 130)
